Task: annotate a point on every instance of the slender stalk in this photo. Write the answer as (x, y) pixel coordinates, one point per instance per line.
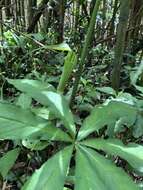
(85, 50)
(1, 19)
(112, 28)
(120, 44)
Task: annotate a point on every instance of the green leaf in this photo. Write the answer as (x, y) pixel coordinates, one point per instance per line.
(38, 36)
(35, 144)
(24, 101)
(59, 107)
(70, 61)
(136, 74)
(139, 88)
(140, 186)
(18, 123)
(28, 85)
(107, 90)
(138, 127)
(60, 47)
(111, 114)
(132, 152)
(57, 103)
(42, 112)
(127, 98)
(7, 161)
(99, 173)
(52, 174)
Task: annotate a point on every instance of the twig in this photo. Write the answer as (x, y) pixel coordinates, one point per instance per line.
(99, 41)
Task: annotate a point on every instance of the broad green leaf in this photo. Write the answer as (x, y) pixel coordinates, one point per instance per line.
(94, 172)
(38, 36)
(59, 107)
(70, 61)
(127, 98)
(70, 179)
(57, 103)
(7, 161)
(24, 101)
(42, 112)
(18, 123)
(140, 186)
(112, 114)
(107, 90)
(136, 74)
(60, 47)
(28, 85)
(52, 174)
(139, 88)
(35, 144)
(132, 152)
(138, 127)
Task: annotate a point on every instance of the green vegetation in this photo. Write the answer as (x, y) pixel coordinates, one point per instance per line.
(71, 89)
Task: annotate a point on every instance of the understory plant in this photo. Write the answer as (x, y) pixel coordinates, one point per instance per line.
(85, 161)
(87, 154)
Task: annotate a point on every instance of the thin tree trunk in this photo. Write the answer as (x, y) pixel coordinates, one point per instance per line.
(7, 9)
(31, 8)
(22, 9)
(60, 20)
(112, 28)
(37, 15)
(120, 43)
(104, 17)
(1, 20)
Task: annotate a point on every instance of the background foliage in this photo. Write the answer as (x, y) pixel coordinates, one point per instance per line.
(71, 88)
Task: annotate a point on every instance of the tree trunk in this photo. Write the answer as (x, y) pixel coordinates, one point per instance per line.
(7, 9)
(37, 15)
(119, 49)
(31, 9)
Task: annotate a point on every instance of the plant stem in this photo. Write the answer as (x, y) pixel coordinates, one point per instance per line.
(85, 50)
(120, 44)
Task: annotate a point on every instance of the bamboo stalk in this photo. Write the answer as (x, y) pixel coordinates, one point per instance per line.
(85, 51)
